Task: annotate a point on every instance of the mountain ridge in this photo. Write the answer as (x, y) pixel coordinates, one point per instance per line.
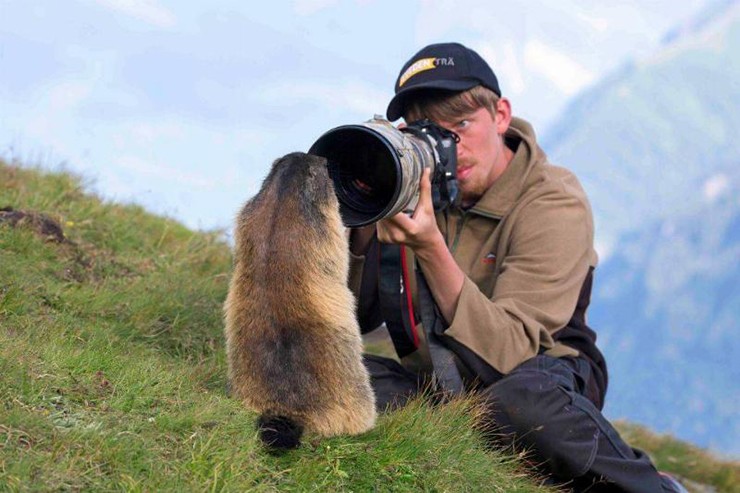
(650, 131)
(655, 146)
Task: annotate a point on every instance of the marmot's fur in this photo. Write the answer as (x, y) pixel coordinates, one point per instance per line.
(292, 340)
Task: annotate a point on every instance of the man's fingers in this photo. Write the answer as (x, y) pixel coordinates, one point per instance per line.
(425, 193)
(401, 221)
(403, 228)
(384, 231)
(393, 229)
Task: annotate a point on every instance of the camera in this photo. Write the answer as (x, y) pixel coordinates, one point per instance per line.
(376, 167)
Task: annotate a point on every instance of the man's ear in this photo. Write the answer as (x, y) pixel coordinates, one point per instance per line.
(503, 115)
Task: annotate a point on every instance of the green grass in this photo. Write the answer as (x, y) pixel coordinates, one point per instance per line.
(113, 375)
(693, 463)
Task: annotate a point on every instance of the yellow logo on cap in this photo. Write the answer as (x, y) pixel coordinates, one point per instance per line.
(415, 68)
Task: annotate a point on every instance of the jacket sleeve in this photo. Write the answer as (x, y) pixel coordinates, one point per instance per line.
(546, 262)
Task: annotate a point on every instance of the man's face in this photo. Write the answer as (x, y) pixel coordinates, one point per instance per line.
(481, 154)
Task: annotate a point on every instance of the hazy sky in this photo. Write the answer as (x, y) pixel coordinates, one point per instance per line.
(182, 106)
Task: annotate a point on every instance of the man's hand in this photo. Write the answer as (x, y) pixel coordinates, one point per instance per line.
(421, 234)
(418, 231)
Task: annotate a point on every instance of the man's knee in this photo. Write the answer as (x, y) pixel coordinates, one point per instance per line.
(535, 412)
(392, 383)
(522, 402)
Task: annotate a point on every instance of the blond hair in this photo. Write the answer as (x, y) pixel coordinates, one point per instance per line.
(441, 106)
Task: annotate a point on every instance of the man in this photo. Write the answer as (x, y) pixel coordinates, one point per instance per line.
(509, 270)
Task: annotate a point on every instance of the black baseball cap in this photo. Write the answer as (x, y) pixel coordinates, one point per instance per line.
(447, 66)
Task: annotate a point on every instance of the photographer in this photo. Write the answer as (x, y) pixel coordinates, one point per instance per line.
(509, 269)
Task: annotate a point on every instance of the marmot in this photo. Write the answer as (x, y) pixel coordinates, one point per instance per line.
(292, 340)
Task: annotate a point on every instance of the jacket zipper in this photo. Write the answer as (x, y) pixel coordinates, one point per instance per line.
(458, 230)
(461, 223)
(486, 214)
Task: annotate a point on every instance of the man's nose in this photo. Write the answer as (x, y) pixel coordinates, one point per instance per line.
(460, 149)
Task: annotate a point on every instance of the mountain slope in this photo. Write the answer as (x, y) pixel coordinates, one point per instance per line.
(656, 147)
(666, 304)
(113, 375)
(644, 138)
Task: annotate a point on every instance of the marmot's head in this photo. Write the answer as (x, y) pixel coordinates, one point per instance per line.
(303, 180)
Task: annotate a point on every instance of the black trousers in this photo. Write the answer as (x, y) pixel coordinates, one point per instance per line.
(540, 406)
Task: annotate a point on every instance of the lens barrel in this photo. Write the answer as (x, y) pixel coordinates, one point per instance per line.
(375, 167)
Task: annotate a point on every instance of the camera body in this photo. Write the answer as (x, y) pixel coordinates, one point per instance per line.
(376, 168)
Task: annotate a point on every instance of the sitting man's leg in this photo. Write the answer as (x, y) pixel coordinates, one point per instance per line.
(540, 406)
(392, 383)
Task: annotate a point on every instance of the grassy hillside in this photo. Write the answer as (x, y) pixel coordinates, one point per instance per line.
(112, 371)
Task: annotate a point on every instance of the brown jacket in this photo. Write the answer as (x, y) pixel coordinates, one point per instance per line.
(526, 248)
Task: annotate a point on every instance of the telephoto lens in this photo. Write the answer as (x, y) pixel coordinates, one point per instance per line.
(376, 168)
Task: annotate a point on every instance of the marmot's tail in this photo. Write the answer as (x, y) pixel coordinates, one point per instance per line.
(279, 432)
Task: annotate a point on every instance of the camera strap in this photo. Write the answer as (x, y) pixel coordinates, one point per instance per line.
(394, 294)
(446, 375)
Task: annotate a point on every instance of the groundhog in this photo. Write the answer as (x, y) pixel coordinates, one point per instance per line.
(292, 340)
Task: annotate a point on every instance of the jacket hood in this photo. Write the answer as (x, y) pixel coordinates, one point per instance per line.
(502, 195)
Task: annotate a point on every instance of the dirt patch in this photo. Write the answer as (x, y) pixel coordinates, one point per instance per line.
(40, 223)
(83, 262)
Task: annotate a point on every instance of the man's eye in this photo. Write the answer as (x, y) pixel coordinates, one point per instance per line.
(463, 123)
